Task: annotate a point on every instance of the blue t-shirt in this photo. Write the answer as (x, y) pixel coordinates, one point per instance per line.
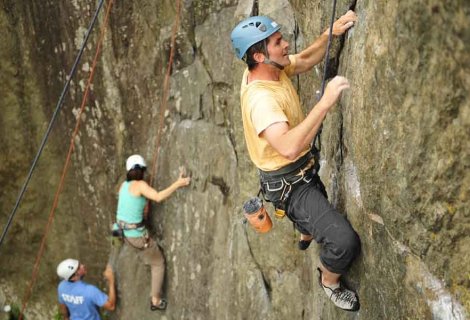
(82, 299)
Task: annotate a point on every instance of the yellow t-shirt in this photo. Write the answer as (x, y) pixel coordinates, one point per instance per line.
(266, 102)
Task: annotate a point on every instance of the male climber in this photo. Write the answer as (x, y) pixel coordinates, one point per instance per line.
(278, 137)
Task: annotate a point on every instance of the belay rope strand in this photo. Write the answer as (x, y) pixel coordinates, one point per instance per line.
(67, 161)
(325, 72)
(166, 84)
(51, 123)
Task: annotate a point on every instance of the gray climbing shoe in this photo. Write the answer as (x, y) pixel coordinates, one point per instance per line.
(342, 297)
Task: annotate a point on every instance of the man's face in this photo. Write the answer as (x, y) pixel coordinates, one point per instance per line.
(81, 271)
(278, 49)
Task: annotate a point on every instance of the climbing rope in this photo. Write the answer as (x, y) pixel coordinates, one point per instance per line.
(166, 86)
(325, 73)
(51, 123)
(68, 158)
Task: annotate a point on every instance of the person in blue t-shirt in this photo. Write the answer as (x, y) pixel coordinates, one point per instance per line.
(79, 300)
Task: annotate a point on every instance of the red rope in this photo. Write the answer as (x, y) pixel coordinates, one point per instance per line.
(166, 85)
(66, 165)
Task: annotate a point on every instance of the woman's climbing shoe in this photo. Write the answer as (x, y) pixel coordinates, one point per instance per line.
(304, 244)
(160, 306)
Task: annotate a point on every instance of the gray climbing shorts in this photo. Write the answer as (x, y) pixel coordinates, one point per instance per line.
(312, 214)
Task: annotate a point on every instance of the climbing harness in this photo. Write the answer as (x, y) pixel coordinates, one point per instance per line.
(119, 227)
(278, 185)
(146, 241)
(71, 148)
(130, 226)
(118, 231)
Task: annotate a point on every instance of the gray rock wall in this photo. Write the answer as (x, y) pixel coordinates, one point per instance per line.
(395, 157)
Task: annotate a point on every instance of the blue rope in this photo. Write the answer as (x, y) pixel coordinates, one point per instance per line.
(51, 123)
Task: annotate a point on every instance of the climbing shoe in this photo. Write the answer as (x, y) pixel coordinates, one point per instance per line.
(304, 244)
(160, 306)
(342, 297)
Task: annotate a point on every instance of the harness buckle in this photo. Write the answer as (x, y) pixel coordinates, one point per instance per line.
(280, 213)
(307, 167)
(147, 241)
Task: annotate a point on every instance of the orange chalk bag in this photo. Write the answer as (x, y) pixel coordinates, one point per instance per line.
(257, 216)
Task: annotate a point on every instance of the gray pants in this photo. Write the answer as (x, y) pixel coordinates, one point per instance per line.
(152, 256)
(312, 214)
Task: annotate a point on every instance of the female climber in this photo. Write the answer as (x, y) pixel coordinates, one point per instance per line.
(133, 196)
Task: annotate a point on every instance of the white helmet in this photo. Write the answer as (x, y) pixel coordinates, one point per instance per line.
(67, 268)
(135, 160)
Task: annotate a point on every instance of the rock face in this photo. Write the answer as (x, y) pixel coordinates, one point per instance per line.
(395, 157)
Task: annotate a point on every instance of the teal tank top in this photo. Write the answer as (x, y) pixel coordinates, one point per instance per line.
(130, 209)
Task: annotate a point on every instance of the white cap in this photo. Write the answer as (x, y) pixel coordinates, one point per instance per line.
(135, 160)
(67, 268)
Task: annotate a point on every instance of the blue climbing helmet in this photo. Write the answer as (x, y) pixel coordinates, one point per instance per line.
(250, 31)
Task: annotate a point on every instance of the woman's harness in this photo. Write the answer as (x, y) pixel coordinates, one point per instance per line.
(120, 226)
(130, 226)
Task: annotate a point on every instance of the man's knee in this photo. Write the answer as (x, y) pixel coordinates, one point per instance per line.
(349, 245)
(340, 251)
(353, 243)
